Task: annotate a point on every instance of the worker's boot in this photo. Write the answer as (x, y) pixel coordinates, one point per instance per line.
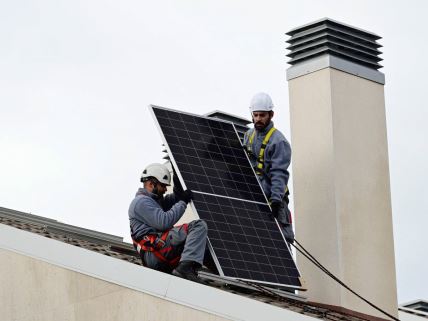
(187, 270)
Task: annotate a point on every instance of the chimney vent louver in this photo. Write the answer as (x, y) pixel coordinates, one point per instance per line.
(327, 36)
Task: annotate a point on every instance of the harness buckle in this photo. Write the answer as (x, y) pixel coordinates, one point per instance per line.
(158, 243)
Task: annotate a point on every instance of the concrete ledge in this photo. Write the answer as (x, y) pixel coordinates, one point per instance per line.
(168, 287)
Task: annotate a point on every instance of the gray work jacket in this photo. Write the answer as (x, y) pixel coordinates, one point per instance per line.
(150, 214)
(277, 158)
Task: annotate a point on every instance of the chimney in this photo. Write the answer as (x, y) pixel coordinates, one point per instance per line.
(340, 165)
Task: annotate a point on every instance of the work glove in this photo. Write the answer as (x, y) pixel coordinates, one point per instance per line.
(186, 196)
(276, 207)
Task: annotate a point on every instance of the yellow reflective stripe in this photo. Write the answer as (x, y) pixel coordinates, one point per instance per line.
(252, 136)
(268, 135)
(264, 144)
(260, 159)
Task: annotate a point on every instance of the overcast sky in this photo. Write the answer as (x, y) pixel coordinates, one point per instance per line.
(76, 78)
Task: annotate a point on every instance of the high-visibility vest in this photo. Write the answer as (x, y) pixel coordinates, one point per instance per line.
(261, 158)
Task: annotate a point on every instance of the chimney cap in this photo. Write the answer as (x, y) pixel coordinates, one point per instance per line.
(329, 37)
(333, 22)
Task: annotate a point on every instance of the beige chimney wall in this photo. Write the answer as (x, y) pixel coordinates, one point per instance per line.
(341, 187)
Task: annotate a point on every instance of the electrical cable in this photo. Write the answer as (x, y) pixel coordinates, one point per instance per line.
(314, 310)
(312, 259)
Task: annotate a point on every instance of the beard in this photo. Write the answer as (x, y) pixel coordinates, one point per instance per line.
(260, 125)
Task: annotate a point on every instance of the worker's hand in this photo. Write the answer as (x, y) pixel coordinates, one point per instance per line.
(276, 207)
(186, 196)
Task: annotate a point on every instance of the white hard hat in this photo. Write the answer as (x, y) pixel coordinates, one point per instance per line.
(158, 171)
(261, 102)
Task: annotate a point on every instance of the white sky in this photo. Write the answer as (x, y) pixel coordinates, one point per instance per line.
(76, 78)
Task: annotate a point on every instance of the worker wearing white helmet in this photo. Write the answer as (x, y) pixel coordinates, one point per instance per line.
(261, 102)
(270, 154)
(178, 250)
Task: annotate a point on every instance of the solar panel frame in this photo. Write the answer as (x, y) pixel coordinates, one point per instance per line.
(194, 209)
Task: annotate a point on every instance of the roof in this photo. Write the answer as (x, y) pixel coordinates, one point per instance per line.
(416, 307)
(240, 123)
(48, 230)
(237, 120)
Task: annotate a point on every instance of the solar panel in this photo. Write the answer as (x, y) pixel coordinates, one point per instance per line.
(246, 243)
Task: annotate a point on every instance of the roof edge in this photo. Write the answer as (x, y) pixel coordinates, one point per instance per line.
(348, 311)
(141, 279)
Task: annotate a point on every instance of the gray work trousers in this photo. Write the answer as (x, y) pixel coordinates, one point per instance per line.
(284, 218)
(187, 241)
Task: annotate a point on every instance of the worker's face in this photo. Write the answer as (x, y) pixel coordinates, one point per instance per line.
(157, 188)
(161, 189)
(261, 119)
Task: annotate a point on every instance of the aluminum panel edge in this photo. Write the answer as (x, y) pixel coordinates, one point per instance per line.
(180, 177)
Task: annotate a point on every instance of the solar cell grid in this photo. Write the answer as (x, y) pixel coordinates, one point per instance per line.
(245, 242)
(208, 159)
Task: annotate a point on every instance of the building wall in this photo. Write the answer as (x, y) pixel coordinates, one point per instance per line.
(33, 290)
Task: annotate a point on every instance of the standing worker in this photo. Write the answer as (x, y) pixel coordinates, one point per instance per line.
(152, 216)
(270, 155)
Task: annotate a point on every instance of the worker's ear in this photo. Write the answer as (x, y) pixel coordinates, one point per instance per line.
(149, 186)
(271, 113)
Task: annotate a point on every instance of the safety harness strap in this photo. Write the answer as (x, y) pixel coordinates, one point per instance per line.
(149, 244)
(261, 157)
(155, 244)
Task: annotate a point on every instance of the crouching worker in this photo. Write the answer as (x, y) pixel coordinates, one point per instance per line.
(178, 250)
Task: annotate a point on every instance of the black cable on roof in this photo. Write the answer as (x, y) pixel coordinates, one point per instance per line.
(312, 259)
(321, 312)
